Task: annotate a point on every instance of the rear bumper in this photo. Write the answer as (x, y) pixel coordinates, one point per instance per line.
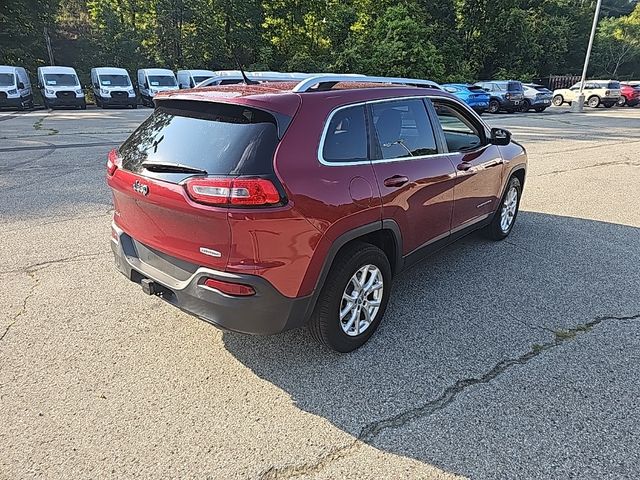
(265, 313)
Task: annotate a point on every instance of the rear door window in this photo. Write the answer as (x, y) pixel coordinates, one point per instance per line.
(403, 129)
(219, 139)
(346, 136)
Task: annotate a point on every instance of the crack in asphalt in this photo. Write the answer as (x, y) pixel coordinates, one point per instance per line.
(23, 309)
(371, 431)
(39, 266)
(595, 165)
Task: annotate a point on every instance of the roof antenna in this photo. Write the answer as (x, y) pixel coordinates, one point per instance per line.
(246, 79)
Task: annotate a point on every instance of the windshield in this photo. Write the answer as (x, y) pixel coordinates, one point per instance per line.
(200, 78)
(162, 81)
(613, 85)
(61, 80)
(115, 80)
(217, 138)
(475, 89)
(7, 80)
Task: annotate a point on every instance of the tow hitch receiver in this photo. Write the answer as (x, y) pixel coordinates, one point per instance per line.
(149, 287)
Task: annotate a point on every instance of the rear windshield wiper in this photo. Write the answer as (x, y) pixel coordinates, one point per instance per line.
(172, 168)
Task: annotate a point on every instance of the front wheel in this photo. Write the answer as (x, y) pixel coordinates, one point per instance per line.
(558, 100)
(494, 106)
(594, 101)
(505, 216)
(608, 105)
(622, 101)
(526, 105)
(540, 109)
(353, 299)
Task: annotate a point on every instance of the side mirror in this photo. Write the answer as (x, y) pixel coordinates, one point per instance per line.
(20, 85)
(500, 136)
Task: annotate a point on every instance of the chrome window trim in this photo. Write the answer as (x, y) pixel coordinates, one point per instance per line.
(390, 160)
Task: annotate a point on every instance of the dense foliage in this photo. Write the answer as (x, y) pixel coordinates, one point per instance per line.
(445, 40)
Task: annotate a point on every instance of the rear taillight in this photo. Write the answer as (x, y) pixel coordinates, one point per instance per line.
(233, 191)
(507, 95)
(607, 93)
(114, 161)
(228, 288)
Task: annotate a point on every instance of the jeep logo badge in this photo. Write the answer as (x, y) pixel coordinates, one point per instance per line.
(141, 188)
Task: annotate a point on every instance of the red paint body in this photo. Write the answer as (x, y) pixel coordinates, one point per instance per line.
(288, 245)
(631, 94)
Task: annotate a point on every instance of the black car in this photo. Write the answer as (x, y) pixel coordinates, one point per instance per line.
(506, 95)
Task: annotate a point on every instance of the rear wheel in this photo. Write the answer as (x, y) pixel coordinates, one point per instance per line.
(558, 100)
(526, 105)
(594, 101)
(540, 109)
(494, 106)
(608, 105)
(622, 101)
(353, 299)
(505, 216)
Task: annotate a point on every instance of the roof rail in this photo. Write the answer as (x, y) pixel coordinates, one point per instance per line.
(327, 81)
(228, 76)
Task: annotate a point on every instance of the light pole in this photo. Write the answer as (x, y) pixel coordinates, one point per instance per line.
(578, 104)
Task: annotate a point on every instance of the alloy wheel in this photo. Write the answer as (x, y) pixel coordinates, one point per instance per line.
(509, 207)
(361, 300)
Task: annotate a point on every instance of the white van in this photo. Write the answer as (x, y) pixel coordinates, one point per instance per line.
(154, 80)
(60, 87)
(191, 78)
(112, 87)
(15, 88)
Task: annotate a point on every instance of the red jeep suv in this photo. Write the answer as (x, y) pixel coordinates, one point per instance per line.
(261, 208)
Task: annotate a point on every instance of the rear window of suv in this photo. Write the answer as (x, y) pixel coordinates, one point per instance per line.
(514, 86)
(216, 138)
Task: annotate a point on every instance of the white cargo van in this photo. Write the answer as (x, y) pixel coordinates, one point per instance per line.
(60, 87)
(154, 80)
(191, 78)
(15, 88)
(112, 87)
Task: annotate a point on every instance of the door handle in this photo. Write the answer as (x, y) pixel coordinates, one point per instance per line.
(395, 181)
(464, 166)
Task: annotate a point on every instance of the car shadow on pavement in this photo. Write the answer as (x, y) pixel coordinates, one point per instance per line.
(486, 363)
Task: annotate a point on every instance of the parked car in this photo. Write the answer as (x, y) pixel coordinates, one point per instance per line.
(154, 80)
(112, 87)
(191, 78)
(537, 97)
(629, 95)
(474, 96)
(15, 88)
(596, 92)
(231, 77)
(228, 207)
(506, 95)
(60, 87)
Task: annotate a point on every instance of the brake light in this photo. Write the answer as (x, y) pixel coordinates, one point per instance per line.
(233, 191)
(234, 289)
(114, 161)
(607, 93)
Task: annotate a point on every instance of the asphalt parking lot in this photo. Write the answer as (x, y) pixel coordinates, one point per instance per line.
(506, 360)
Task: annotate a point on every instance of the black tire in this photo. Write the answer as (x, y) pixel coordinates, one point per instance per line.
(494, 106)
(593, 101)
(46, 104)
(494, 230)
(622, 101)
(83, 106)
(540, 109)
(608, 105)
(558, 100)
(134, 106)
(324, 325)
(526, 106)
